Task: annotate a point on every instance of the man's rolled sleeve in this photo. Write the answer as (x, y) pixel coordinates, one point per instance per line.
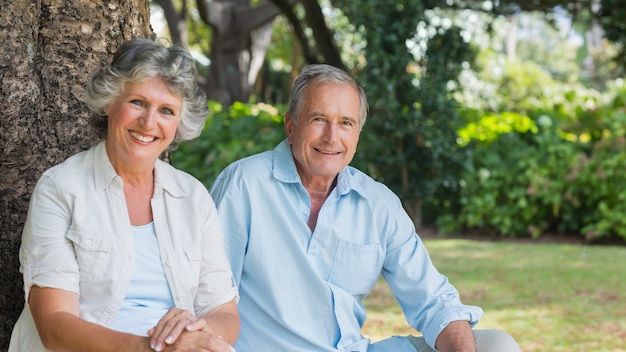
(446, 313)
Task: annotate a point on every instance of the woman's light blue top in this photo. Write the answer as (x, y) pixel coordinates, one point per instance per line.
(148, 297)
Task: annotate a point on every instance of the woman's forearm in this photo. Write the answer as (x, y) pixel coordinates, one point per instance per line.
(60, 328)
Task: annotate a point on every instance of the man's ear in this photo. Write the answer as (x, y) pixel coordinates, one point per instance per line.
(288, 126)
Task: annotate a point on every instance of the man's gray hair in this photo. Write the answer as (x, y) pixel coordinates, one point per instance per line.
(313, 75)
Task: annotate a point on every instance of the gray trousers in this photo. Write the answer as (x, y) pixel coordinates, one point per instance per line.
(486, 341)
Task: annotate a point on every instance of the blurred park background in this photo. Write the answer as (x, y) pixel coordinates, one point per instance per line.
(502, 117)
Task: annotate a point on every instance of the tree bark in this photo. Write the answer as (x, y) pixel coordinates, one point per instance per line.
(176, 21)
(323, 48)
(240, 36)
(49, 49)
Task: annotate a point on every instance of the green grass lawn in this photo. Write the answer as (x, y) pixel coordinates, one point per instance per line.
(550, 297)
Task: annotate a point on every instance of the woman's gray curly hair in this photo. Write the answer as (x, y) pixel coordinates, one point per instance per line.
(140, 59)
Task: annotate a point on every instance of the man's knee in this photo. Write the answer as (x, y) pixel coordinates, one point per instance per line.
(399, 344)
(495, 341)
(486, 341)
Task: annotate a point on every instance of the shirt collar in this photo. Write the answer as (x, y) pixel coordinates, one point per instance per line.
(284, 170)
(105, 174)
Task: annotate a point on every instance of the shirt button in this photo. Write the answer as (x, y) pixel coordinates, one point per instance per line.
(88, 242)
(169, 263)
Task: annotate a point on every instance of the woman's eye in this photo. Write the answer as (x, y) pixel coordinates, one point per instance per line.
(167, 111)
(136, 102)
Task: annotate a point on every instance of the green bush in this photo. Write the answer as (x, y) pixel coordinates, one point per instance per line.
(529, 176)
(229, 135)
(514, 182)
(600, 181)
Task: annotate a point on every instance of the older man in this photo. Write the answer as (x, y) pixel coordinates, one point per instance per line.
(308, 237)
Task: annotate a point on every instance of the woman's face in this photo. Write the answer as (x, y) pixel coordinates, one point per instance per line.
(142, 123)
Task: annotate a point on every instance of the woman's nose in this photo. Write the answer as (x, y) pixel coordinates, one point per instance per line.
(148, 118)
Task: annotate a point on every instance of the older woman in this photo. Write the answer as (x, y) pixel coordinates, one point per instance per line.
(120, 251)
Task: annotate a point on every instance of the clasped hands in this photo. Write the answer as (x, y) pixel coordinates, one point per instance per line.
(180, 330)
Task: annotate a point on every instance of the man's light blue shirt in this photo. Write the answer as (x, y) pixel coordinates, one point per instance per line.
(302, 290)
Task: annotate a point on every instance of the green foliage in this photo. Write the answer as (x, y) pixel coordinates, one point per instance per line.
(280, 53)
(409, 142)
(548, 46)
(393, 121)
(514, 183)
(519, 85)
(599, 180)
(489, 127)
(527, 180)
(229, 135)
(611, 17)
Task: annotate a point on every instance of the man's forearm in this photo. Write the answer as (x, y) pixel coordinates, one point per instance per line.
(224, 321)
(456, 337)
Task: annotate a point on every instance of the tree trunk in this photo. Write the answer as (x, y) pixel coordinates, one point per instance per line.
(323, 49)
(49, 49)
(176, 21)
(510, 43)
(240, 36)
(413, 206)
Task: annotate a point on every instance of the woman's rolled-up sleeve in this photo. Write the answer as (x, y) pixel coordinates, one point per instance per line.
(47, 256)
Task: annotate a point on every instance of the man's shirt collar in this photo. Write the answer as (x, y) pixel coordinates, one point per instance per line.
(284, 170)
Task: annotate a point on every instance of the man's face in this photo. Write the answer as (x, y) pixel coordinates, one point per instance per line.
(325, 138)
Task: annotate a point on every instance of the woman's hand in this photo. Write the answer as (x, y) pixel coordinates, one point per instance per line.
(200, 341)
(180, 330)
